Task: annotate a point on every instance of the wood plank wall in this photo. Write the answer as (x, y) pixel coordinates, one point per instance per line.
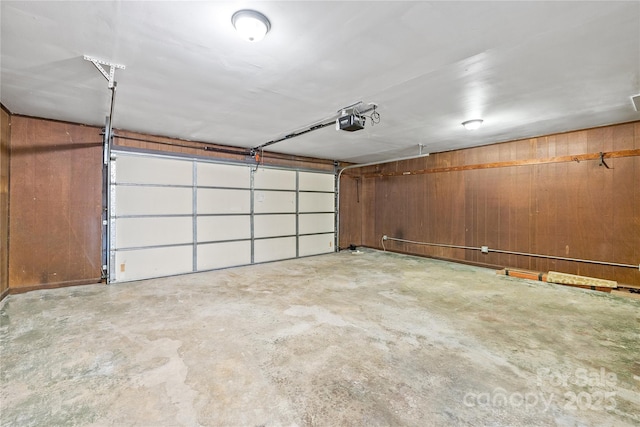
(559, 207)
(5, 138)
(56, 202)
(160, 144)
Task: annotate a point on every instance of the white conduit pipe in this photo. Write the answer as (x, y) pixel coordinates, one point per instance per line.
(486, 249)
(362, 165)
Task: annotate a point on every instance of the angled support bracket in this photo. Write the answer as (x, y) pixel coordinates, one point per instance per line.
(110, 76)
(602, 162)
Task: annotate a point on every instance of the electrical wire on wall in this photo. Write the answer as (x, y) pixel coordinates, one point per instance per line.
(486, 250)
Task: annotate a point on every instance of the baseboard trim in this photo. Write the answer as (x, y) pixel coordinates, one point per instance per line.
(56, 285)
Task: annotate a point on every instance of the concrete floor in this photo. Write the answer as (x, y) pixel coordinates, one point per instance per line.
(343, 339)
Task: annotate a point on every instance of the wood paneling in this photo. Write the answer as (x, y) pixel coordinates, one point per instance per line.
(192, 148)
(546, 195)
(55, 223)
(5, 144)
(504, 164)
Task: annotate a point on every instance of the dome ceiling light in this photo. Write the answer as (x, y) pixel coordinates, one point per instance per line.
(251, 25)
(472, 124)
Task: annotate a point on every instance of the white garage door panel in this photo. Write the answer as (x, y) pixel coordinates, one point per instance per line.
(274, 179)
(237, 215)
(215, 201)
(221, 255)
(153, 170)
(218, 175)
(316, 244)
(215, 228)
(132, 200)
(153, 262)
(274, 202)
(316, 223)
(274, 249)
(274, 225)
(138, 232)
(309, 181)
(316, 202)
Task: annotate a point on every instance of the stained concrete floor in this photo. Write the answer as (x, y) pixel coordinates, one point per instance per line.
(369, 339)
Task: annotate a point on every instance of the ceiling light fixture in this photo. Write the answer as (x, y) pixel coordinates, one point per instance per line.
(251, 25)
(472, 124)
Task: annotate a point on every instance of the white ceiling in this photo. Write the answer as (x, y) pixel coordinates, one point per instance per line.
(526, 68)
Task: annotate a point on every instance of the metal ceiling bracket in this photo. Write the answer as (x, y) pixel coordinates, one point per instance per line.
(110, 76)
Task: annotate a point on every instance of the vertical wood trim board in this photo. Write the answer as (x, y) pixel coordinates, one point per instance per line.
(5, 144)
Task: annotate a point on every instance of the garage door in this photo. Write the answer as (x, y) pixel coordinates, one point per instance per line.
(172, 215)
